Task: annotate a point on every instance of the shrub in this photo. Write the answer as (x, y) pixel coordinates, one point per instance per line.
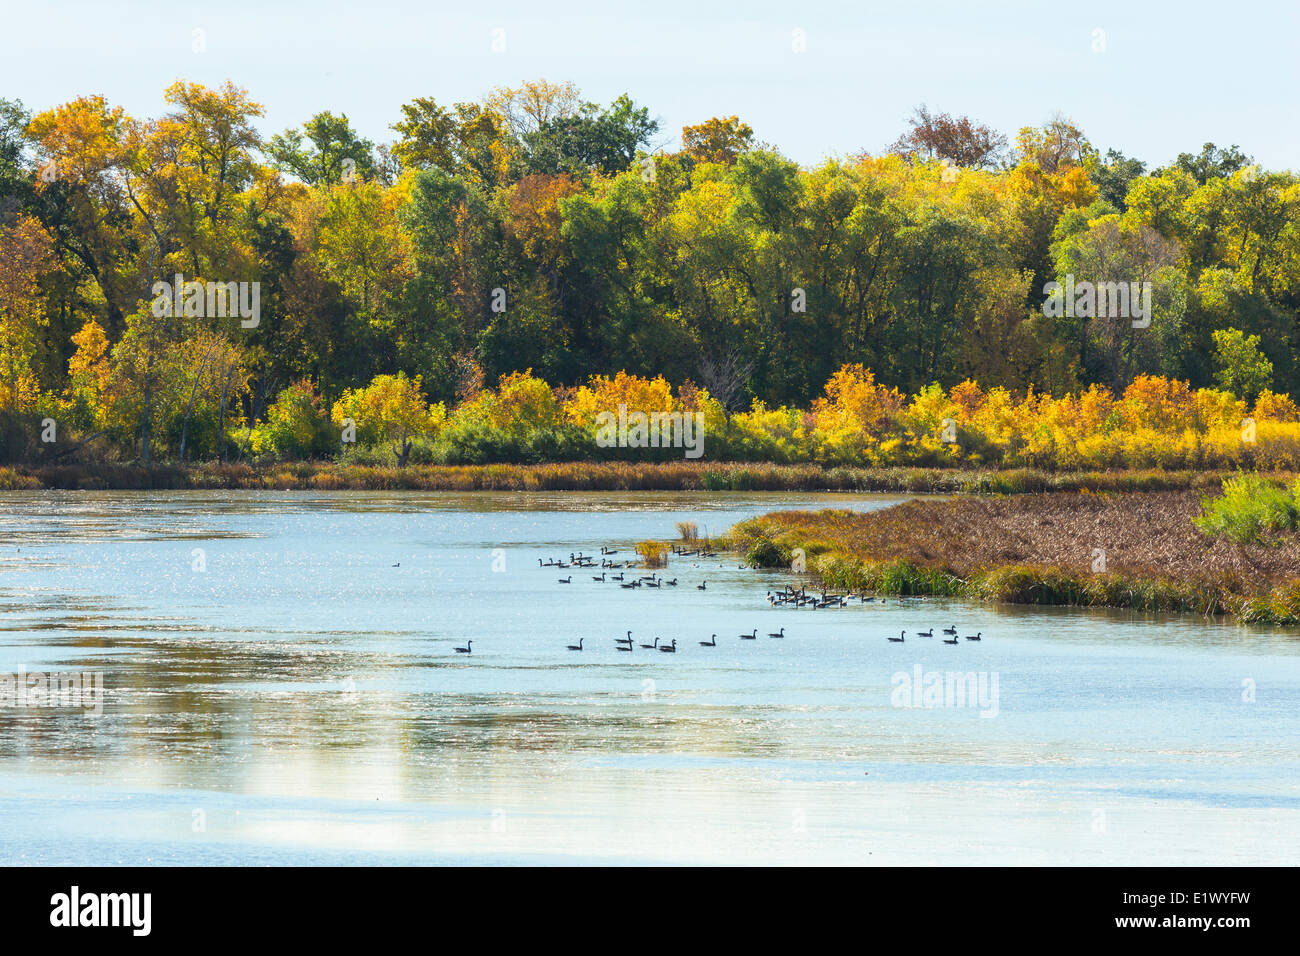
(1249, 510)
(296, 426)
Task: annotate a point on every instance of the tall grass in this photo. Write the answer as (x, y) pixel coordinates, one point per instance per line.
(654, 554)
(604, 476)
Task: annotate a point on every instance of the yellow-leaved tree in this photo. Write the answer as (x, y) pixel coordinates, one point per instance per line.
(391, 408)
(25, 254)
(88, 374)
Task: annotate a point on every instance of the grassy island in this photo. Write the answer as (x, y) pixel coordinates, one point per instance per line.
(1139, 550)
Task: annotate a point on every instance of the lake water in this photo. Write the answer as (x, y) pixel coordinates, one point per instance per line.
(280, 685)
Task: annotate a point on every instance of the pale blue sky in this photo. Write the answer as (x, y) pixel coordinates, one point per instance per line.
(1173, 74)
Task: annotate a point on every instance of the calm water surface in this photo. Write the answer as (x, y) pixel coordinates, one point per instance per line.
(281, 686)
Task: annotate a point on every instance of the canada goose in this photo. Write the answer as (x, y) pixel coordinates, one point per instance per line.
(953, 641)
(899, 639)
(950, 630)
(700, 586)
(465, 649)
(750, 637)
(616, 577)
(782, 634)
(601, 578)
(711, 642)
(568, 580)
(670, 648)
(650, 647)
(398, 564)
(672, 583)
(578, 646)
(979, 635)
(929, 633)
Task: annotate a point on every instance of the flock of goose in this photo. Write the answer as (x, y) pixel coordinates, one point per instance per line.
(788, 596)
(626, 644)
(791, 596)
(953, 639)
(608, 565)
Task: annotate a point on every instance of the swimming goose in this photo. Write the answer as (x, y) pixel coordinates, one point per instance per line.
(576, 647)
(929, 633)
(700, 586)
(466, 648)
(950, 630)
(782, 634)
(953, 641)
(750, 637)
(899, 639)
(650, 647)
(711, 642)
(601, 579)
(670, 648)
(976, 637)
(568, 580)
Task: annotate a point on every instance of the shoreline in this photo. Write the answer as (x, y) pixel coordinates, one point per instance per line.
(596, 476)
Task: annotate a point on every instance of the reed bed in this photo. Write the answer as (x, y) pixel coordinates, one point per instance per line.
(600, 476)
(1139, 550)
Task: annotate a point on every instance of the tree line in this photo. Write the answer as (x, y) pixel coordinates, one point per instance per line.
(535, 231)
